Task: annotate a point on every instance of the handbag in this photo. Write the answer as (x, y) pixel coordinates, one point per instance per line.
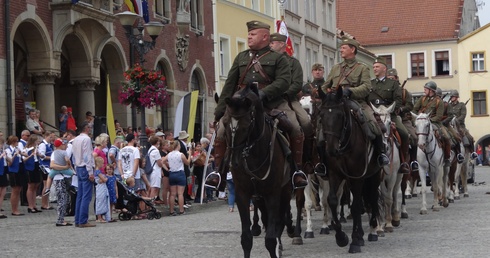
(201, 159)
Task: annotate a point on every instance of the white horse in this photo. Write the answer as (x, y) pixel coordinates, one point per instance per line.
(431, 160)
(390, 184)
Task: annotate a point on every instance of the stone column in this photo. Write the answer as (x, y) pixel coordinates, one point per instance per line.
(44, 82)
(85, 94)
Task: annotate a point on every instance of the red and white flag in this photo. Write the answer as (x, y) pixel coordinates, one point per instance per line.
(282, 29)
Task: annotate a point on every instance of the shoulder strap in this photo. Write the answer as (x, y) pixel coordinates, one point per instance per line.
(347, 74)
(253, 61)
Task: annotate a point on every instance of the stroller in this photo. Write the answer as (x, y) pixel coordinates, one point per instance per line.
(129, 203)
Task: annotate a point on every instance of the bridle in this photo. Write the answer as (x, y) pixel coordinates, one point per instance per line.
(345, 134)
(430, 138)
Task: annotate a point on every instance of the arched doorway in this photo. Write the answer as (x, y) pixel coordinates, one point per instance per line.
(197, 83)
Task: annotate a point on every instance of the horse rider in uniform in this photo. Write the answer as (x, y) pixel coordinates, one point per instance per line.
(431, 103)
(272, 72)
(278, 44)
(355, 79)
(385, 91)
(458, 110)
(406, 116)
(455, 137)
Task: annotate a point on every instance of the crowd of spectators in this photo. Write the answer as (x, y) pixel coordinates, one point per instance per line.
(77, 164)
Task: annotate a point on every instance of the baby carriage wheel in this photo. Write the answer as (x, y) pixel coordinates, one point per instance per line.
(124, 216)
(158, 215)
(150, 216)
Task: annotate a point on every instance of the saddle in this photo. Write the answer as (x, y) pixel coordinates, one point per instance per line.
(359, 116)
(284, 124)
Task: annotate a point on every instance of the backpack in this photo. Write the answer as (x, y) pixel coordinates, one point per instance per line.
(148, 165)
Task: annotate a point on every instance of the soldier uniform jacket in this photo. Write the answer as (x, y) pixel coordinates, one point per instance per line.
(350, 73)
(457, 109)
(434, 105)
(315, 84)
(275, 65)
(385, 92)
(296, 78)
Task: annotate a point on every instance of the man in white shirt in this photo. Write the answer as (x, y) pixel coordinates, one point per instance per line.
(128, 162)
(156, 161)
(84, 165)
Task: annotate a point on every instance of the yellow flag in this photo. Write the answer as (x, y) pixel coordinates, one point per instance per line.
(192, 115)
(111, 127)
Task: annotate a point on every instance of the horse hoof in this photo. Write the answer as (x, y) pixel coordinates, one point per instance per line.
(342, 239)
(423, 212)
(379, 233)
(298, 240)
(342, 220)
(309, 234)
(396, 223)
(466, 195)
(256, 231)
(408, 197)
(457, 197)
(435, 208)
(414, 195)
(353, 249)
(349, 216)
(372, 237)
(318, 208)
(389, 229)
(450, 200)
(445, 204)
(324, 231)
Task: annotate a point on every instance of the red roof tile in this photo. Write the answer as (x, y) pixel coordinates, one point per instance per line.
(407, 21)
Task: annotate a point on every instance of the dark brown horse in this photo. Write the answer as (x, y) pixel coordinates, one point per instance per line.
(350, 158)
(259, 167)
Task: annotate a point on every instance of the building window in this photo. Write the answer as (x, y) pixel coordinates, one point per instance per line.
(163, 110)
(308, 58)
(296, 50)
(241, 46)
(224, 55)
(478, 62)
(479, 103)
(197, 22)
(292, 6)
(417, 64)
(310, 10)
(330, 16)
(389, 60)
(162, 9)
(255, 5)
(442, 63)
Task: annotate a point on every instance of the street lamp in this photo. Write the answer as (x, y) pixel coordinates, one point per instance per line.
(127, 20)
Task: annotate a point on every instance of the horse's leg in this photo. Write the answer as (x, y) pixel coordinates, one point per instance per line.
(356, 209)
(387, 190)
(333, 201)
(404, 183)
(344, 201)
(243, 203)
(451, 180)
(396, 204)
(300, 203)
(309, 197)
(436, 175)
(256, 230)
(444, 188)
(464, 176)
(324, 189)
(423, 166)
(274, 221)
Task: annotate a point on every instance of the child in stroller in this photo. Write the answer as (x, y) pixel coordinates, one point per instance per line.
(132, 202)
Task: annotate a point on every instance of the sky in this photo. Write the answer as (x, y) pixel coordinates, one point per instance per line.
(484, 13)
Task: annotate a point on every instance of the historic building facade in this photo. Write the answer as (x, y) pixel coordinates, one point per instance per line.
(59, 53)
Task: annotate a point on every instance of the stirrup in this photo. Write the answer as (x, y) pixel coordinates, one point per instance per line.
(474, 155)
(213, 180)
(383, 160)
(321, 170)
(404, 168)
(303, 176)
(460, 158)
(415, 166)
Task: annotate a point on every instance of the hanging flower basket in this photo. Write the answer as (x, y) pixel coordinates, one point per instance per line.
(143, 88)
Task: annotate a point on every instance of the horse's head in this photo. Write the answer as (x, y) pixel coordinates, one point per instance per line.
(423, 128)
(384, 113)
(242, 110)
(334, 117)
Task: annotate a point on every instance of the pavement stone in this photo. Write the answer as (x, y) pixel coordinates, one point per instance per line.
(209, 230)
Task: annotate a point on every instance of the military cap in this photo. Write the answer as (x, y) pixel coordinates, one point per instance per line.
(380, 60)
(278, 37)
(252, 25)
(317, 66)
(392, 72)
(349, 41)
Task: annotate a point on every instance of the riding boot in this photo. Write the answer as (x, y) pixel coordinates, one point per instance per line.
(383, 160)
(404, 168)
(321, 168)
(308, 159)
(299, 177)
(213, 180)
(414, 165)
(447, 150)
